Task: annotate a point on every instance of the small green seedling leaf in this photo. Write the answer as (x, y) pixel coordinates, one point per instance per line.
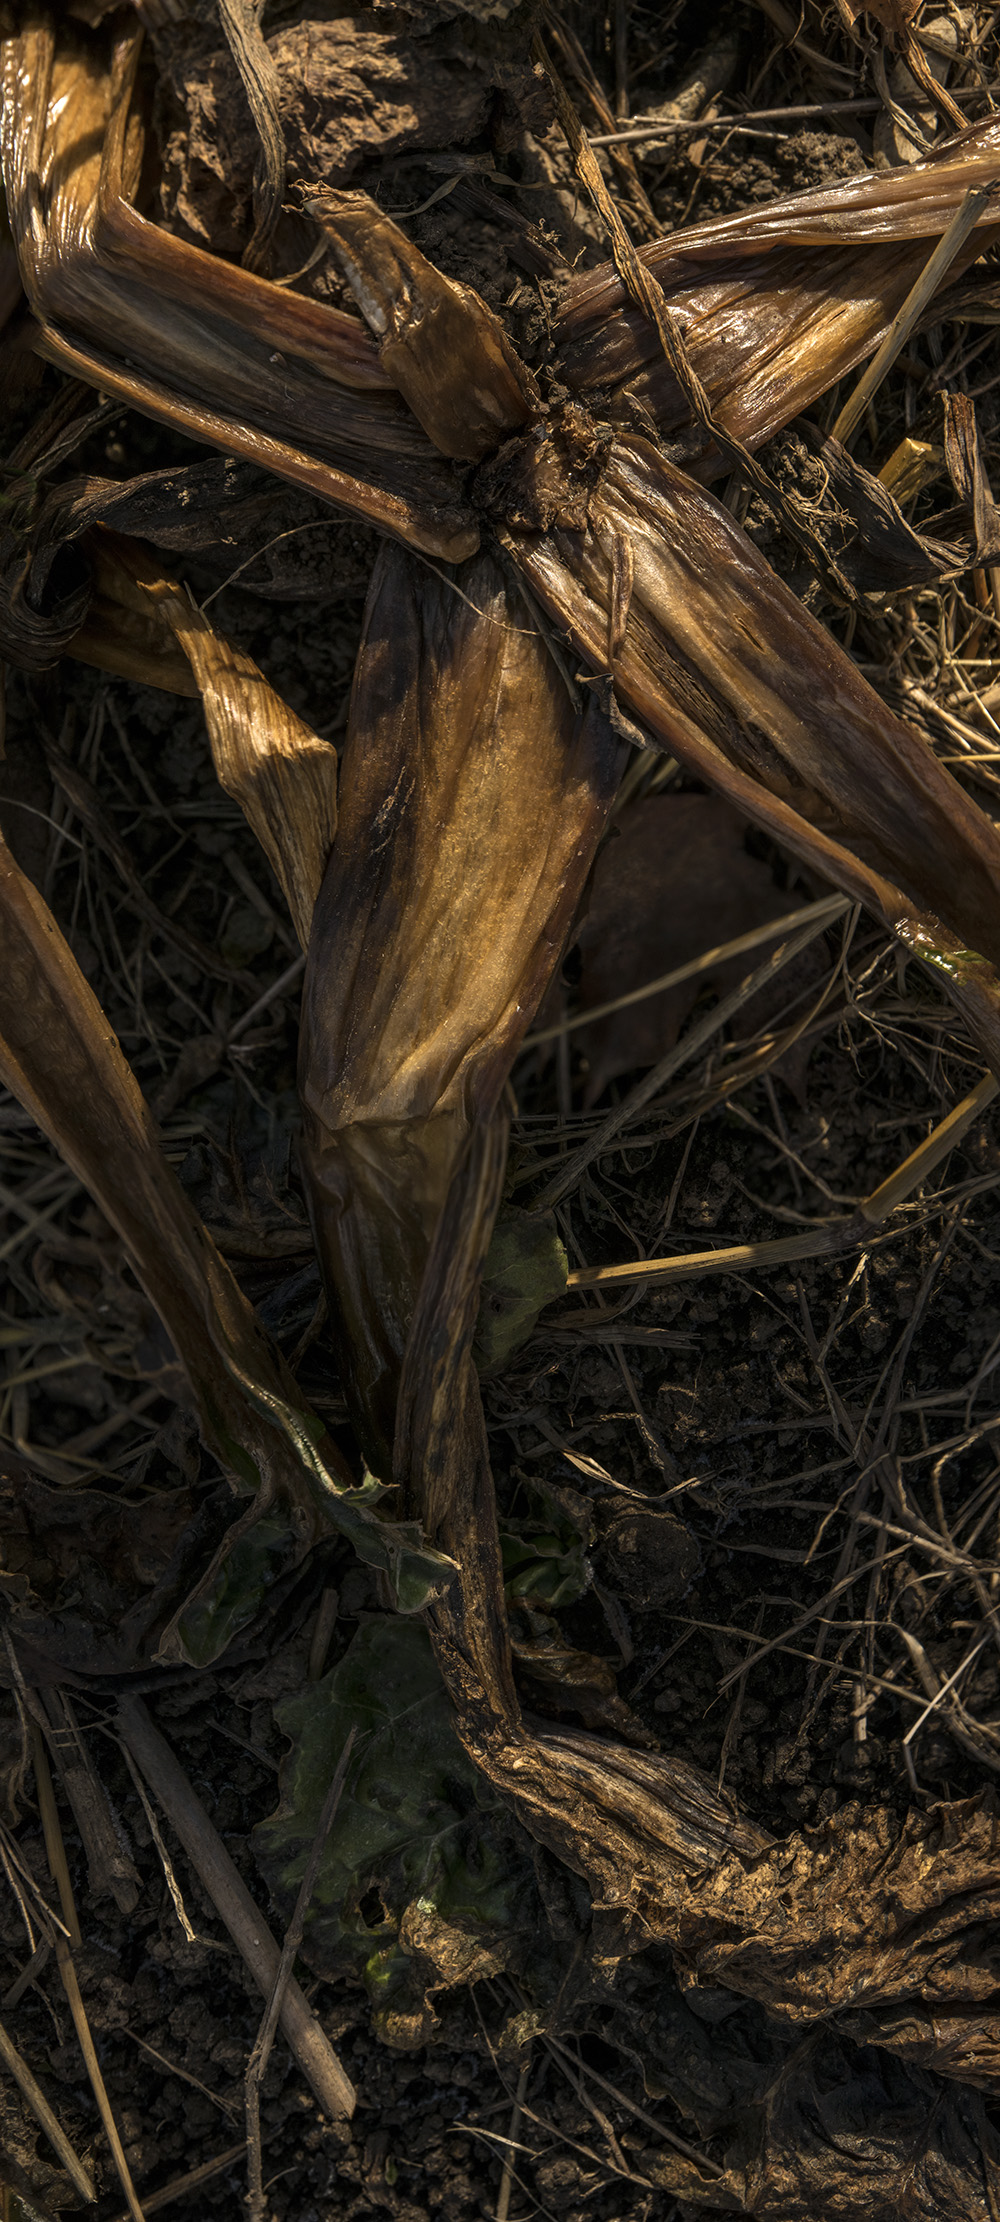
(526, 1268)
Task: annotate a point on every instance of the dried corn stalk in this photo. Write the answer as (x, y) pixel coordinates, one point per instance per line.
(474, 792)
(654, 586)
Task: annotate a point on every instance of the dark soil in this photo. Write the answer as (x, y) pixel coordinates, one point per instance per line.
(753, 1407)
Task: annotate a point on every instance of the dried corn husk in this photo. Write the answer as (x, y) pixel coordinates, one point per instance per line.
(216, 351)
(472, 797)
(724, 665)
(776, 303)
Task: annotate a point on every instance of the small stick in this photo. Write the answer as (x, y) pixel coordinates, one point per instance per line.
(802, 112)
(43, 2114)
(74, 2000)
(513, 2133)
(56, 1853)
(257, 2063)
(842, 1234)
(935, 269)
(235, 1907)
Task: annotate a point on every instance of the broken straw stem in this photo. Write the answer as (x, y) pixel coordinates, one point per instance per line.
(842, 1234)
(235, 1907)
(935, 269)
(664, 127)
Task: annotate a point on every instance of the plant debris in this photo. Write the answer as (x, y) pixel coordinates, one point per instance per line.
(335, 1441)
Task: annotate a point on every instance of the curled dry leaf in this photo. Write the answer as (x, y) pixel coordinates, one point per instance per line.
(281, 773)
(217, 351)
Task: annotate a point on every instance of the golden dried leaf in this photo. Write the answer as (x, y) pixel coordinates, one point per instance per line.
(281, 773)
(472, 797)
(777, 302)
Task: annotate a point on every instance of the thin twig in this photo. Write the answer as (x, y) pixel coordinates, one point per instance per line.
(800, 112)
(235, 1907)
(259, 2057)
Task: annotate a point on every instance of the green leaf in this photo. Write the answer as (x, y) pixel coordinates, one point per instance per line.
(417, 1572)
(526, 1268)
(544, 1551)
(259, 1552)
(423, 1875)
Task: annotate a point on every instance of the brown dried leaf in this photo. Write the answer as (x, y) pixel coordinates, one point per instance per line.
(281, 773)
(725, 666)
(673, 881)
(215, 350)
(777, 302)
(472, 797)
(441, 346)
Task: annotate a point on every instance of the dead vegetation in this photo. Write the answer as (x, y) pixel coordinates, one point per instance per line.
(635, 1732)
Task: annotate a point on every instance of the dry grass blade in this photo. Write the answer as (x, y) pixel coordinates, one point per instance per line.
(838, 1235)
(949, 246)
(56, 1852)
